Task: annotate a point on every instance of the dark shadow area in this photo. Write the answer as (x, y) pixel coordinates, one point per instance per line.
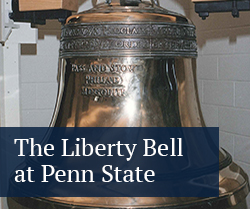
(28, 49)
(52, 27)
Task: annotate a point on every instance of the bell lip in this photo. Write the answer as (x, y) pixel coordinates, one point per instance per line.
(223, 202)
(230, 198)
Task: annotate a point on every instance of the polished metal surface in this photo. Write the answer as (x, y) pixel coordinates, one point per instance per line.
(146, 30)
(133, 66)
(140, 92)
(120, 92)
(128, 92)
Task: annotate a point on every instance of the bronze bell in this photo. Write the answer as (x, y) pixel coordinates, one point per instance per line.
(131, 63)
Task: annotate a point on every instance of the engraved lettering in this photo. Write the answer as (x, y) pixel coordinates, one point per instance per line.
(124, 30)
(96, 45)
(74, 68)
(96, 68)
(106, 68)
(103, 92)
(103, 80)
(134, 31)
(130, 31)
(78, 68)
(170, 31)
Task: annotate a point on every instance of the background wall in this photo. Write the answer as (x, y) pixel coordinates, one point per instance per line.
(223, 75)
(224, 79)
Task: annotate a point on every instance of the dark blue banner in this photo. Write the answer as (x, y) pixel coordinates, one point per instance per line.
(109, 162)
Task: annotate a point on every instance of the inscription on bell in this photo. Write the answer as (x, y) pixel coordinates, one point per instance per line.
(124, 30)
(109, 79)
(103, 92)
(106, 68)
(103, 80)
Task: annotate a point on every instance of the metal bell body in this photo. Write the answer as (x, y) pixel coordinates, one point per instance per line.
(135, 66)
(128, 66)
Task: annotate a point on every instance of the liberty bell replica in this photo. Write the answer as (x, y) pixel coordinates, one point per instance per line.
(131, 63)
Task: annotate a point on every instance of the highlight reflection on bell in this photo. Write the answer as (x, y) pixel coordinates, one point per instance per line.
(131, 63)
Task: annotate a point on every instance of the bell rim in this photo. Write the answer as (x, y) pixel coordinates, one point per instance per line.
(232, 197)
